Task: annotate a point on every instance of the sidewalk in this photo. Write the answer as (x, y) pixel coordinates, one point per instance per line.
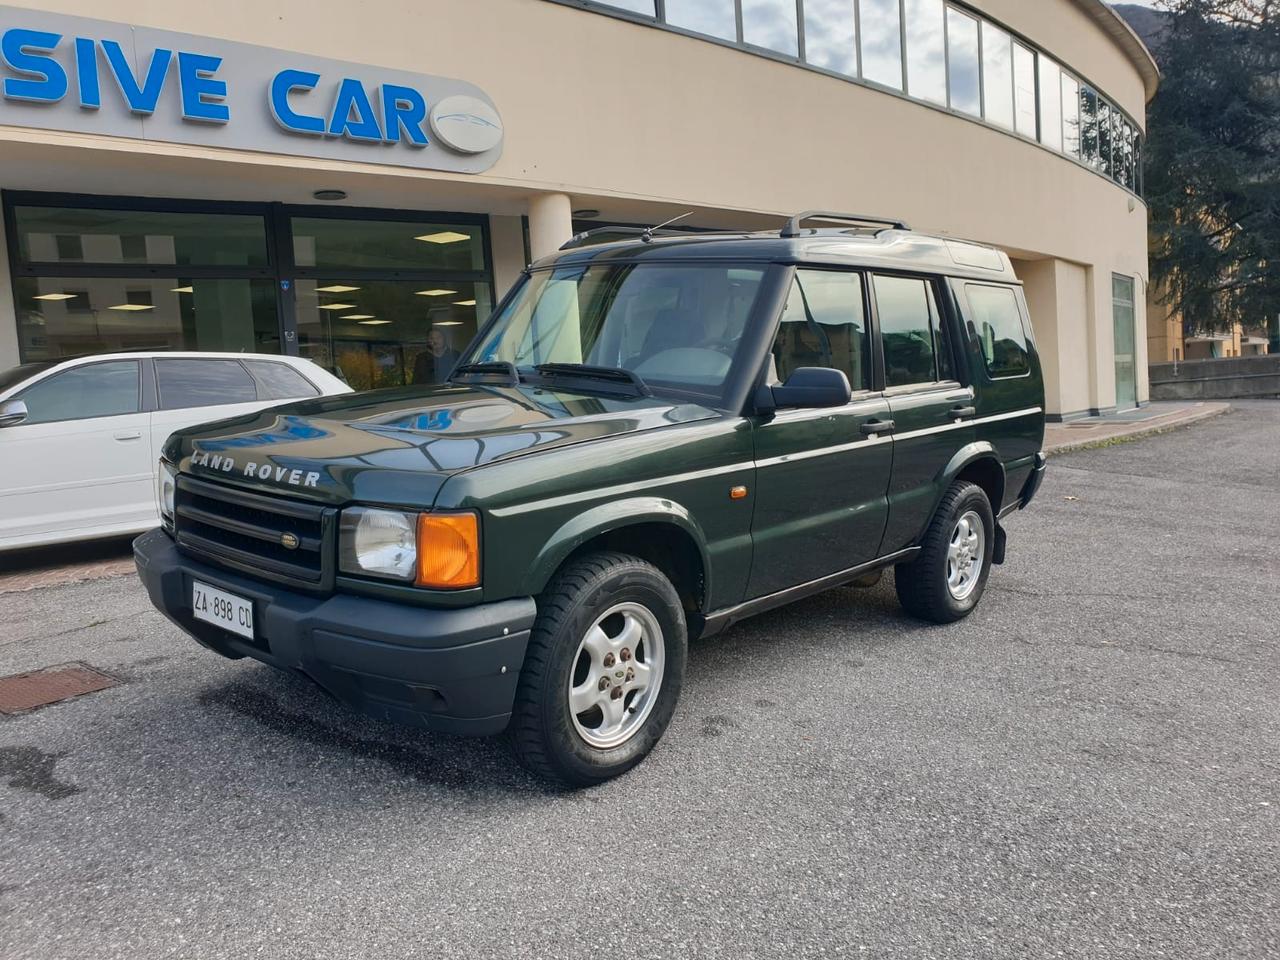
(1157, 417)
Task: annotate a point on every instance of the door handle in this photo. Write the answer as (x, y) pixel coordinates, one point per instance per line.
(964, 413)
(873, 427)
(128, 435)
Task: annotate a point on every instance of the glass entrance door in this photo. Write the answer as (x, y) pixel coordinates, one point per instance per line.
(1123, 318)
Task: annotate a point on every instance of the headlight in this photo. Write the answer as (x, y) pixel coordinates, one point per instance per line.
(440, 551)
(166, 483)
(381, 543)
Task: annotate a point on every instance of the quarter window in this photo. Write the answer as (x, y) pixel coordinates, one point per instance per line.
(108, 389)
(997, 321)
(203, 383)
(916, 349)
(279, 381)
(824, 325)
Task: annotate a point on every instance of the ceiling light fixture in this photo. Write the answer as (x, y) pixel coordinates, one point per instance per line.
(336, 288)
(464, 303)
(62, 296)
(435, 293)
(132, 307)
(337, 306)
(182, 289)
(373, 323)
(447, 323)
(444, 236)
(357, 316)
(586, 213)
(330, 195)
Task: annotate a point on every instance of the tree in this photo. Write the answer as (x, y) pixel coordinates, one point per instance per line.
(1213, 163)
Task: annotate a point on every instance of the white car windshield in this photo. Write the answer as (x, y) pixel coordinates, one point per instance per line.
(673, 325)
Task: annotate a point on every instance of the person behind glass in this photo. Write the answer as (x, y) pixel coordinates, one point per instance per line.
(436, 362)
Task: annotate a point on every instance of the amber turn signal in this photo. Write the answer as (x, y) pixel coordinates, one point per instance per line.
(448, 551)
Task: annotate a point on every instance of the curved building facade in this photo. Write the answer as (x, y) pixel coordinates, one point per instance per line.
(360, 184)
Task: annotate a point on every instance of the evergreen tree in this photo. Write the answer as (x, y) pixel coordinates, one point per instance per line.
(1213, 163)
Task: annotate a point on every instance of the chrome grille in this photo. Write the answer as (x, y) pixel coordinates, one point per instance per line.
(248, 532)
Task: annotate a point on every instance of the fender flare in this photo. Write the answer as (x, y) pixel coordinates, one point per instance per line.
(966, 455)
(608, 517)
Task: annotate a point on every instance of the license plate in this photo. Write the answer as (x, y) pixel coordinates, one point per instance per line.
(222, 609)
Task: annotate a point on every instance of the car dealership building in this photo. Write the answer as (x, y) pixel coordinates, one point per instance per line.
(359, 183)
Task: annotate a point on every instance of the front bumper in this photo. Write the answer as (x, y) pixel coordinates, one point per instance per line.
(453, 670)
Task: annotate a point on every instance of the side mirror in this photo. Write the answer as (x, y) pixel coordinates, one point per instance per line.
(812, 387)
(12, 413)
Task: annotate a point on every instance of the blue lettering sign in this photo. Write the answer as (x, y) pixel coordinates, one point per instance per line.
(27, 52)
(353, 115)
(87, 73)
(202, 95)
(141, 98)
(403, 108)
(285, 82)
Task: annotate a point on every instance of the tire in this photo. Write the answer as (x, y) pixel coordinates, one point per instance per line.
(579, 641)
(929, 587)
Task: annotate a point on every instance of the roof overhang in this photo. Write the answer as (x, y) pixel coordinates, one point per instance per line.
(1127, 40)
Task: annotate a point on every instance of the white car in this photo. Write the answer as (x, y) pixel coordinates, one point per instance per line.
(80, 439)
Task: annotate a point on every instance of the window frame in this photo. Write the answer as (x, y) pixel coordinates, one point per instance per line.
(1028, 341)
(60, 370)
(946, 323)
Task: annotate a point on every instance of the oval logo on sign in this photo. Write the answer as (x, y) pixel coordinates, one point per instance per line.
(289, 541)
(466, 124)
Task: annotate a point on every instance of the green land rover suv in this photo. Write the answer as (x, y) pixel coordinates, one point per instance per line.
(648, 441)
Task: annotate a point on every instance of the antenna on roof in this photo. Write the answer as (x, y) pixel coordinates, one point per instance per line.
(647, 236)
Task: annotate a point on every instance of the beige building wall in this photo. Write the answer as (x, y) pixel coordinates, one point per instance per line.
(644, 124)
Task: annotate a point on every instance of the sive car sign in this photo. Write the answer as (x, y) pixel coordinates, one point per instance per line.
(93, 76)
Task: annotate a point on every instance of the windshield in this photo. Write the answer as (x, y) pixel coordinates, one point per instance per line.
(675, 326)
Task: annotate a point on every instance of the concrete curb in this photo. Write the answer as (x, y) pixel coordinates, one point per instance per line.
(1175, 421)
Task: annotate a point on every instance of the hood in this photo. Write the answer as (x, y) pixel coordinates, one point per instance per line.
(399, 446)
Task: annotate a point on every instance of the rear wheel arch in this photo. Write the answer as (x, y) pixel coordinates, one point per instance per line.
(979, 464)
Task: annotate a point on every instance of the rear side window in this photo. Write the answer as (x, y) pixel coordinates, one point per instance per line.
(997, 321)
(279, 381)
(107, 389)
(824, 325)
(916, 347)
(203, 383)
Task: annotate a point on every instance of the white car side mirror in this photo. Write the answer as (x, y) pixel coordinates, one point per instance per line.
(12, 413)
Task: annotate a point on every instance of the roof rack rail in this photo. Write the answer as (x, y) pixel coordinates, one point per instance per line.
(580, 239)
(792, 229)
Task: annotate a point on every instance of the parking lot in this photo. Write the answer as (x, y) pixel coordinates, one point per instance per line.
(1087, 767)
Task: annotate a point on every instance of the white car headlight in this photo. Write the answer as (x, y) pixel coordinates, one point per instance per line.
(380, 543)
(166, 487)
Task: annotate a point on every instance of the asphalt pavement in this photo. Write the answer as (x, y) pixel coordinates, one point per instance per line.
(1087, 767)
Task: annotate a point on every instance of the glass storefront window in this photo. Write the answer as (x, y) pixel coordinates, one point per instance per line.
(771, 24)
(1050, 104)
(1070, 116)
(926, 50)
(388, 333)
(831, 35)
(716, 18)
(1024, 91)
(997, 76)
(881, 38)
(386, 245)
(962, 63)
(66, 235)
(60, 316)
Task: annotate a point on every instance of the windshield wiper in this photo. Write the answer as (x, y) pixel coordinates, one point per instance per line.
(488, 368)
(614, 376)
